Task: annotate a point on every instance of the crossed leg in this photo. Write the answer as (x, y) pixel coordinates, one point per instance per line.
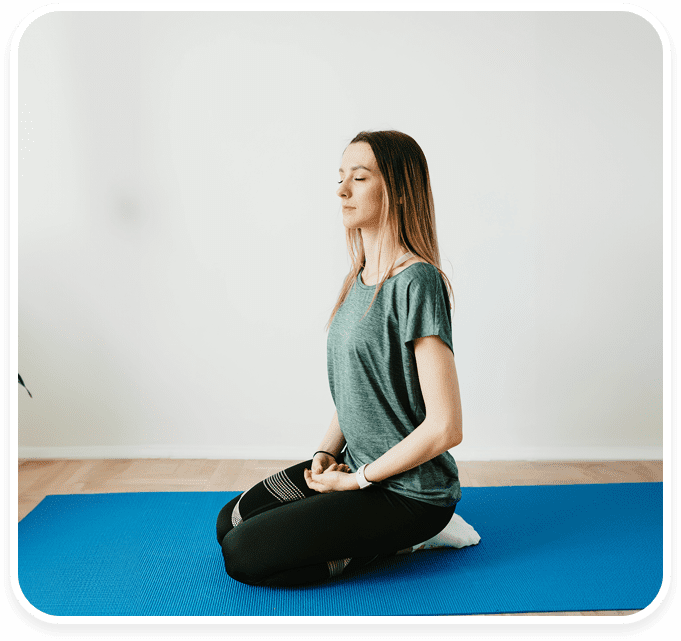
(282, 533)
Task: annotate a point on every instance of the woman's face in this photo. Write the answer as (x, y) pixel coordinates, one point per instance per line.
(361, 187)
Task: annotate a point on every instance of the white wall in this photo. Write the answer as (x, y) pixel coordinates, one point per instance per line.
(181, 245)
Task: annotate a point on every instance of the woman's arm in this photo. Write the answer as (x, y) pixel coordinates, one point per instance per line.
(440, 431)
(430, 439)
(443, 427)
(333, 440)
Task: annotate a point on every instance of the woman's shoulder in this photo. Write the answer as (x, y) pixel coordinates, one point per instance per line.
(425, 269)
(422, 274)
(412, 261)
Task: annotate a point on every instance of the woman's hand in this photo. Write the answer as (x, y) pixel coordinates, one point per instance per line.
(321, 461)
(335, 478)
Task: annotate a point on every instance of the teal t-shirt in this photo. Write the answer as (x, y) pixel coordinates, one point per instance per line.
(374, 379)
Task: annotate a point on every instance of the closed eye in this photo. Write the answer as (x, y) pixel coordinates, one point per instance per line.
(340, 181)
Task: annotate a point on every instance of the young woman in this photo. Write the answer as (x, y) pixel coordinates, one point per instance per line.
(382, 480)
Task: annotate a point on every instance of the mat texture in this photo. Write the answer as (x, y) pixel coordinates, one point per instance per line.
(543, 549)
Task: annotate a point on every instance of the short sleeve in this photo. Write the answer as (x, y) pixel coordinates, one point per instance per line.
(428, 311)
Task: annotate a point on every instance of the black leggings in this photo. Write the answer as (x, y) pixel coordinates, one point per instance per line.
(282, 533)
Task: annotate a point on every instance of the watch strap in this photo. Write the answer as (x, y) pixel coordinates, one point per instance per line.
(361, 479)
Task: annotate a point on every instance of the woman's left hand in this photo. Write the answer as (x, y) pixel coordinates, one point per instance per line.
(335, 478)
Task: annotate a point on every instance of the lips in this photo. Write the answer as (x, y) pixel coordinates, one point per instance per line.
(347, 207)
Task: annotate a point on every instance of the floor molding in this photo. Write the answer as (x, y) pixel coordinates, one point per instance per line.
(567, 453)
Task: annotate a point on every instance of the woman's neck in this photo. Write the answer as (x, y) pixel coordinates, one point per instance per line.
(370, 268)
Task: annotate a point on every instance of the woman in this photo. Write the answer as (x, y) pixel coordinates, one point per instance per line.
(382, 480)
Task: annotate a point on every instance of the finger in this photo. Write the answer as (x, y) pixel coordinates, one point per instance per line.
(308, 478)
(313, 485)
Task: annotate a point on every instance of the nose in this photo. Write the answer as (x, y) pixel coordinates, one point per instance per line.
(342, 187)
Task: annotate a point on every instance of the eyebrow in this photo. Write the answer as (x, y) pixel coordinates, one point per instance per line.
(355, 167)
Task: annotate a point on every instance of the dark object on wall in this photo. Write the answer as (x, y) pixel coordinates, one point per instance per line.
(26, 388)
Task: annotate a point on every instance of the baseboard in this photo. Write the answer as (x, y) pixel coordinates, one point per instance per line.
(291, 453)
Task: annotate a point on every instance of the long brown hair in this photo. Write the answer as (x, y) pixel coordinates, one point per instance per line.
(404, 169)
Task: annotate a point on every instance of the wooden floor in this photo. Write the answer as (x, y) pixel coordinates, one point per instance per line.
(38, 478)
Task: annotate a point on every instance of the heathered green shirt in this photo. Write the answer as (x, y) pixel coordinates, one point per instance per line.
(374, 380)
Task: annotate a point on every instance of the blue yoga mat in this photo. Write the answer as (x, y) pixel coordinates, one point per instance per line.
(542, 549)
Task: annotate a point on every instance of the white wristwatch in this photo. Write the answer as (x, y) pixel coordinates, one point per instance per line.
(361, 479)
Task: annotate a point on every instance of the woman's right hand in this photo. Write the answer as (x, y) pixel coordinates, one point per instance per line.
(322, 462)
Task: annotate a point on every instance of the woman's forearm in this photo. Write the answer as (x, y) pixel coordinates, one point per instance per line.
(428, 440)
(333, 440)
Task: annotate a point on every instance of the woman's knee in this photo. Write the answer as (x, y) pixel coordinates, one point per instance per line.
(224, 520)
(243, 560)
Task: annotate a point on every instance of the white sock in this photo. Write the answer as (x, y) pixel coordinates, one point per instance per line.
(457, 534)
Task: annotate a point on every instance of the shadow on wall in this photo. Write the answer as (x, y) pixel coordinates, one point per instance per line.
(26, 388)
